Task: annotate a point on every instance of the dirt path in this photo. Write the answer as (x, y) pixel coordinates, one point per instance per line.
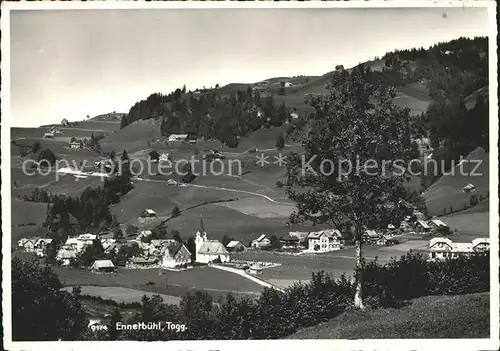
(217, 188)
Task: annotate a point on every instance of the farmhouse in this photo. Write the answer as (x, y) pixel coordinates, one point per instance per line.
(301, 235)
(141, 262)
(65, 256)
(437, 223)
(75, 145)
(49, 135)
(289, 241)
(80, 242)
(261, 241)
(64, 122)
(287, 84)
(371, 234)
(469, 188)
(148, 213)
(175, 255)
(422, 226)
(28, 245)
(100, 266)
(172, 182)
(209, 250)
(294, 115)
(41, 246)
(164, 157)
(325, 240)
(177, 137)
(235, 246)
(443, 248)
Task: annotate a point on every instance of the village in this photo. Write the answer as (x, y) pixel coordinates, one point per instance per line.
(143, 252)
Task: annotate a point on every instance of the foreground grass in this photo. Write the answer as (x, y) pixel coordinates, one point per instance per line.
(461, 316)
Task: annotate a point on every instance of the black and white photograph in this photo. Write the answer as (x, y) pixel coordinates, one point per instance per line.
(200, 174)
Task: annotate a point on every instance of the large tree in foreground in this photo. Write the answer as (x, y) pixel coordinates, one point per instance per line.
(352, 173)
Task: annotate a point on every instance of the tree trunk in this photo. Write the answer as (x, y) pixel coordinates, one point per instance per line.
(358, 297)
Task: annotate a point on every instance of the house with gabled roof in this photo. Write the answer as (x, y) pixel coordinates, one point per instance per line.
(445, 248)
(261, 242)
(235, 246)
(422, 226)
(148, 213)
(175, 254)
(209, 250)
(103, 266)
(325, 240)
(65, 256)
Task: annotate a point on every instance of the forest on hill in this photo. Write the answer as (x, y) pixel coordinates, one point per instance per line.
(452, 72)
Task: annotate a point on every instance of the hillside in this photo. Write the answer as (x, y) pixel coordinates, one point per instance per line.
(447, 191)
(461, 316)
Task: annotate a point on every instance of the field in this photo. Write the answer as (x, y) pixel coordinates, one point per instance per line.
(296, 268)
(469, 225)
(178, 283)
(27, 218)
(120, 294)
(461, 316)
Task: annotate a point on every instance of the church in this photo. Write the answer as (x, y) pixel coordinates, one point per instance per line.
(209, 250)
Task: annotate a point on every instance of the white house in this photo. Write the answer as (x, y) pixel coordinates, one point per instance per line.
(325, 240)
(164, 157)
(175, 254)
(443, 248)
(75, 145)
(172, 182)
(41, 246)
(209, 250)
(469, 188)
(49, 135)
(261, 241)
(177, 137)
(65, 255)
(288, 84)
(79, 243)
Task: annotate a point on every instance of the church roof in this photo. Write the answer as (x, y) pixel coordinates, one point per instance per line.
(212, 247)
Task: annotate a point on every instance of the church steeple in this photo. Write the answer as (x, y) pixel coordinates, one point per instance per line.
(202, 228)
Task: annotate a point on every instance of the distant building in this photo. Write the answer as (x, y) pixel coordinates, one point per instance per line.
(164, 157)
(103, 266)
(209, 250)
(41, 246)
(65, 256)
(28, 245)
(469, 188)
(422, 226)
(289, 241)
(178, 137)
(261, 242)
(148, 213)
(288, 84)
(437, 223)
(75, 145)
(294, 115)
(143, 234)
(172, 182)
(325, 240)
(49, 135)
(443, 248)
(175, 255)
(235, 246)
(79, 243)
(64, 122)
(302, 236)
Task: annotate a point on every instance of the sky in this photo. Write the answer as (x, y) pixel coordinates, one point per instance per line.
(73, 63)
